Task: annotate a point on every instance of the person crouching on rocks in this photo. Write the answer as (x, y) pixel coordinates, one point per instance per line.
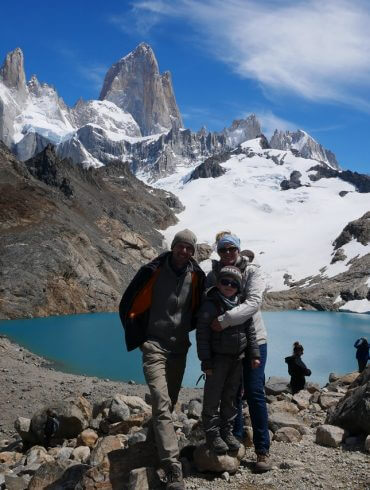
(221, 355)
(297, 368)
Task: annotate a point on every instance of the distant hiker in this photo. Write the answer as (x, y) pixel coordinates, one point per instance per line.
(221, 355)
(362, 353)
(297, 368)
(157, 312)
(228, 248)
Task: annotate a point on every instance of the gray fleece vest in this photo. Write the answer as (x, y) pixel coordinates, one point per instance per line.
(170, 312)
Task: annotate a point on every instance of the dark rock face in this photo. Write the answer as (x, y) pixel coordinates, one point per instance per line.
(353, 411)
(210, 168)
(135, 85)
(360, 181)
(71, 238)
(358, 229)
(293, 183)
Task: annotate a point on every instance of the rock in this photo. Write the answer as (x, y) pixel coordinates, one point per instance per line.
(10, 457)
(14, 482)
(248, 437)
(73, 415)
(333, 377)
(38, 455)
(283, 406)
(81, 454)
(278, 420)
(291, 464)
(203, 252)
(207, 460)
(137, 437)
(293, 183)
(60, 453)
(276, 385)
(22, 425)
(143, 479)
(195, 409)
(367, 444)
(118, 410)
(134, 402)
(209, 168)
(287, 434)
(103, 447)
(88, 437)
(328, 400)
(348, 379)
(137, 420)
(353, 411)
(329, 435)
(302, 399)
(225, 476)
(115, 471)
(312, 387)
(59, 475)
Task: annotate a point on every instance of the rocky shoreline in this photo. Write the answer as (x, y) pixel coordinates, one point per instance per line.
(108, 448)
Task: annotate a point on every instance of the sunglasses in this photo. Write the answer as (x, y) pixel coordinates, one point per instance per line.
(229, 282)
(227, 250)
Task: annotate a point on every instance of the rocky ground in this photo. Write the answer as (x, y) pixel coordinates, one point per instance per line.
(30, 383)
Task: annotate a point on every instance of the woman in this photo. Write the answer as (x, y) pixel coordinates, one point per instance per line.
(228, 248)
(362, 353)
(297, 368)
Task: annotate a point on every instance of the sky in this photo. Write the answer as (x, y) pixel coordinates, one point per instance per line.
(295, 64)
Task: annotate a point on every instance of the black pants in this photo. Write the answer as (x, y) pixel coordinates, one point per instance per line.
(297, 383)
(361, 364)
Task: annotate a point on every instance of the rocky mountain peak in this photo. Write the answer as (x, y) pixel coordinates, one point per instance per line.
(135, 85)
(12, 72)
(242, 130)
(306, 146)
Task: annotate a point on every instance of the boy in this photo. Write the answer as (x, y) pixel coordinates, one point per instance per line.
(221, 354)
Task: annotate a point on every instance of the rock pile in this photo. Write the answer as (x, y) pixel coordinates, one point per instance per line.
(108, 444)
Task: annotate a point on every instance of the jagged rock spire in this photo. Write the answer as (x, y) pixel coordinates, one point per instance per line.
(135, 85)
(12, 72)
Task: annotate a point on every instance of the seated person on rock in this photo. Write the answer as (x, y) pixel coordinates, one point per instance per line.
(221, 355)
(297, 368)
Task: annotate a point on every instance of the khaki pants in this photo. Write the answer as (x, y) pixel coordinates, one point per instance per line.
(163, 373)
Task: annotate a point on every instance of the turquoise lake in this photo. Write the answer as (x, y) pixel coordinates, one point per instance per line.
(93, 344)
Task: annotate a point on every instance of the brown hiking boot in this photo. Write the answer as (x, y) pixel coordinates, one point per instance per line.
(262, 465)
(174, 479)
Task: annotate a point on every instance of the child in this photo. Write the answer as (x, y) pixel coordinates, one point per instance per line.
(297, 368)
(221, 355)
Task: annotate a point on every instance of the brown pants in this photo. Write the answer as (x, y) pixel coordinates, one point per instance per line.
(163, 373)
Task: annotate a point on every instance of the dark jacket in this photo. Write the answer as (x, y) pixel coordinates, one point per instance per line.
(362, 346)
(296, 367)
(134, 308)
(233, 341)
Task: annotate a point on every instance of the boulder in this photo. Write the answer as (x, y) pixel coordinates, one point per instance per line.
(59, 475)
(276, 385)
(22, 425)
(367, 444)
(283, 406)
(207, 460)
(118, 410)
(14, 482)
(104, 446)
(73, 416)
(134, 402)
(287, 434)
(302, 399)
(38, 455)
(144, 479)
(280, 419)
(115, 471)
(88, 437)
(195, 409)
(60, 453)
(353, 411)
(123, 427)
(329, 399)
(329, 435)
(203, 251)
(81, 454)
(10, 457)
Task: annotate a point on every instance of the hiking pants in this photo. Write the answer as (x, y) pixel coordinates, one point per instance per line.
(220, 388)
(163, 373)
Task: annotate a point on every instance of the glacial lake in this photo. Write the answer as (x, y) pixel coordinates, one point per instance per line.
(93, 344)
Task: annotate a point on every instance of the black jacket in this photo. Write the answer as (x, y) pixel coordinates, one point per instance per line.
(134, 308)
(296, 367)
(231, 341)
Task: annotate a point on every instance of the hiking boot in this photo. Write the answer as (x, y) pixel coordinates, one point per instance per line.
(231, 441)
(262, 465)
(217, 445)
(174, 479)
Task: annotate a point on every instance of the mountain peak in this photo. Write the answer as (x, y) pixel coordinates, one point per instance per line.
(12, 72)
(135, 85)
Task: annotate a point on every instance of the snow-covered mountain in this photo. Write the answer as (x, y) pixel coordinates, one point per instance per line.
(136, 120)
(290, 231)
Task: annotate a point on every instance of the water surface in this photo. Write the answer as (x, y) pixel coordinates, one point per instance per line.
(93, 344)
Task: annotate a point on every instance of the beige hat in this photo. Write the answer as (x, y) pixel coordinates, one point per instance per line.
(185, 236)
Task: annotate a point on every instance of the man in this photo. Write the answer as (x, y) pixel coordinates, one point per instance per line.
(157, 311)
(228, 248)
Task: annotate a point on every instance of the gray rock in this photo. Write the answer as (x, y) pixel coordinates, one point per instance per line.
(278, 420)
(287, 434)
(14, 482)
(195, 409)
(329, 435)
(118, 410)
(206, 460)
(139, 436)
(276, 385)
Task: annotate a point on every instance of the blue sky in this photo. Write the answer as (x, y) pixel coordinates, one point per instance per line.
(296, 64)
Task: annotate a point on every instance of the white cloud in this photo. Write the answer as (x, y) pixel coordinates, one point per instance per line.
(318, 50)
